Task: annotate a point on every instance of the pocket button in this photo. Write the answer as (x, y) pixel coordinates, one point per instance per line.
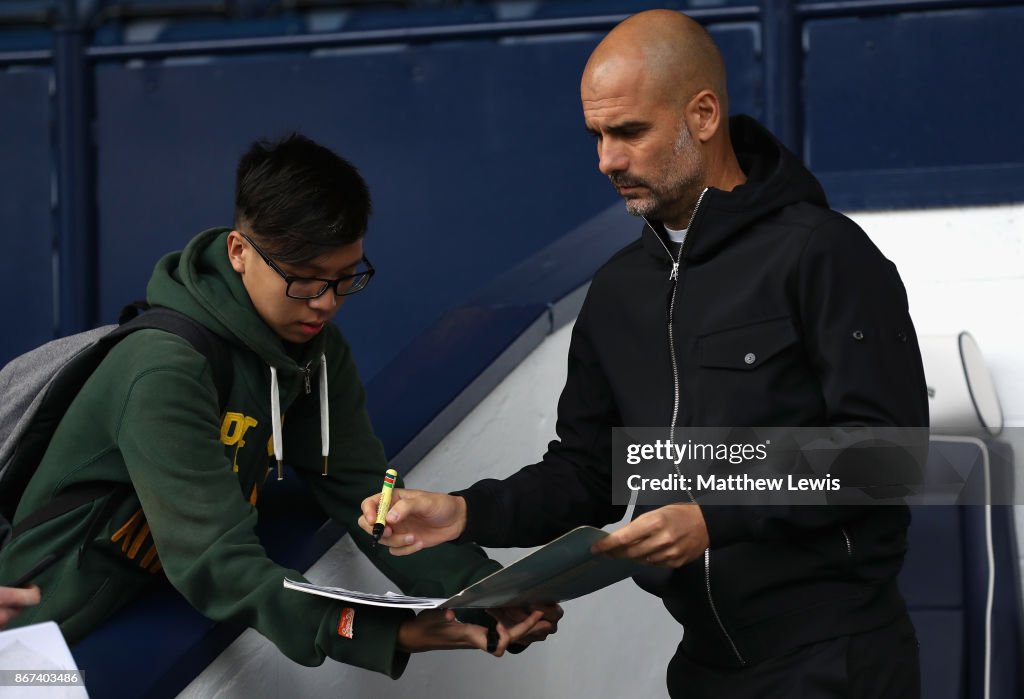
(750, 358)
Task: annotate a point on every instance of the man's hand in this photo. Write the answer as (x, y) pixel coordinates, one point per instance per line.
(14, 599)
(509, 617)
(438, 629)
(670, 536)
(418, 519)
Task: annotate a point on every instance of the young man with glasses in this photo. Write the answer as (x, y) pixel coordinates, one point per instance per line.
(150, 418)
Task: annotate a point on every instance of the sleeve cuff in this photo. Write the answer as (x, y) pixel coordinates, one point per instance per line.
(366, 637)
(485, 524)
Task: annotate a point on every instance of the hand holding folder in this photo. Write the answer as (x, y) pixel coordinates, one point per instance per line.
(562, 570)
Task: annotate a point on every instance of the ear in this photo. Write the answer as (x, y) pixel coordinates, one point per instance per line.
(704, 115)
(236, 250)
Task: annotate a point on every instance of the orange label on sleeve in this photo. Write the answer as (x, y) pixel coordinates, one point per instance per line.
(348, 616)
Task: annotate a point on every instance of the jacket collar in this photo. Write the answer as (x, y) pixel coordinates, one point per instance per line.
(775, 179)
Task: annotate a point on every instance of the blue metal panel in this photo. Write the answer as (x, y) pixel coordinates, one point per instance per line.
(449, 136)
(916, 109)
(198, 29)
(162, 7)
(215, 28)
(935, 535)
(946, 575)
(1007, 614)
(25, 39)
(389, 18)
(742, 51)
(577, 8)
(28, 11)
(475, 154)
(783, 64)
(76, 240)
(428, 374)
(940, 633)
(26, 218)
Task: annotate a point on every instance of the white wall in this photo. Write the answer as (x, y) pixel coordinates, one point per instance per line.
(964, 270)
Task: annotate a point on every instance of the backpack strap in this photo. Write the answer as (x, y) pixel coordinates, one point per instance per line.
(68, 500)
(140, 316)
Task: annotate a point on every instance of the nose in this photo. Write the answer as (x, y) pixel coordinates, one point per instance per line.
(328, 302)
(611, 157)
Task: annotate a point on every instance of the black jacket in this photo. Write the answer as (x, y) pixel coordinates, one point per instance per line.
(782, 313)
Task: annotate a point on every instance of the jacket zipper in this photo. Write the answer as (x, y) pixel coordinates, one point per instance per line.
(849, 544)
(714, 610)
(674, 278)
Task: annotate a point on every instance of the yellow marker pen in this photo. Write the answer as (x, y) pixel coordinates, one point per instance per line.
(385, 503)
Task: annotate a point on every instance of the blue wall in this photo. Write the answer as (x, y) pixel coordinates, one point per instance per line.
(916, 109)
(27, 311)
(447, 216)
(466, 123)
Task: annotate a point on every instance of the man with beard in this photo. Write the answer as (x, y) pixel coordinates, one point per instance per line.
(746, 302)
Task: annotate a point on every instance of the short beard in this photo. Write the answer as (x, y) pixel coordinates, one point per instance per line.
(679, 181)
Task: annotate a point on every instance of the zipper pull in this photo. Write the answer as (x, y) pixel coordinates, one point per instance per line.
(674, 274)
(305, 377)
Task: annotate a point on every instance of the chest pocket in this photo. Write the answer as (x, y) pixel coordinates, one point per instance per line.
(747, 347)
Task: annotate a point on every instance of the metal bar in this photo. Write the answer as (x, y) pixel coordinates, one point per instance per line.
(783, 70)
(8, 58)
(406, 35)
(76, 236)
(859, 8)
(105, 13)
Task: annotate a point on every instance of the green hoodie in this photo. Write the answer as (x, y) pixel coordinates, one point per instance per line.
(149, 416)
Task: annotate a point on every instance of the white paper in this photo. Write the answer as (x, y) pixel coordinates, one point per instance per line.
(562, 570)
(34, 648)
(388, 599)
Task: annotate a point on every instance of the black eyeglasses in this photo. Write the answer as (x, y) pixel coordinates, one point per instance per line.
(314, 287)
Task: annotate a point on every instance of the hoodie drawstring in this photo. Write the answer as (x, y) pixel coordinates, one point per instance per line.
(325, 413)
(275, 423)
(275, 418)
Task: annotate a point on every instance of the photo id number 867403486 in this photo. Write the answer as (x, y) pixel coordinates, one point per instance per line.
(40, 678)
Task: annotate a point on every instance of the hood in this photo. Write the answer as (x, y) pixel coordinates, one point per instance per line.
(775, 179)
(200, 282)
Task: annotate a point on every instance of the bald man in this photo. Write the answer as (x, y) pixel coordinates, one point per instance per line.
(745, 302)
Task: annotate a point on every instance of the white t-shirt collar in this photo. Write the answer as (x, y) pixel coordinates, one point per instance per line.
(676, 236)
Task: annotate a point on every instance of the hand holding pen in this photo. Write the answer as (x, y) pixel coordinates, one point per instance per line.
(384, 505)
(416, 519)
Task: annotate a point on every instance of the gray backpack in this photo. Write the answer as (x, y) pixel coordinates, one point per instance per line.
(37, 387)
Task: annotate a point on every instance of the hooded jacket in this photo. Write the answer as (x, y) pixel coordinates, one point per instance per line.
(149, 417)
(781, 312)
